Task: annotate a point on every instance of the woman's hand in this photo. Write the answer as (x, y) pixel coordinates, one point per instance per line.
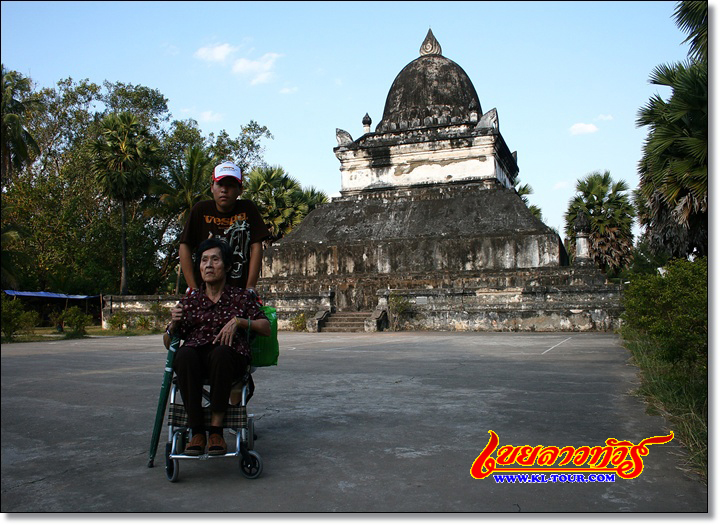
(226, 334)
(176, 316)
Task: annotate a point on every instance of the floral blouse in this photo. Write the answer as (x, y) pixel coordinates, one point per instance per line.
(203, 319)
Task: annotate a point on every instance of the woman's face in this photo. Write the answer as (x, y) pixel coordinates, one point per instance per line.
(212, 268)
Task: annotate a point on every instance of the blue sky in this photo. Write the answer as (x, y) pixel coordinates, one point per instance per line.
(567, 78)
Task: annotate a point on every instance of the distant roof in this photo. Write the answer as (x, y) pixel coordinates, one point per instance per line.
(49, 295)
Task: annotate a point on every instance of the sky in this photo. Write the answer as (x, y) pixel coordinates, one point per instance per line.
(567, 78)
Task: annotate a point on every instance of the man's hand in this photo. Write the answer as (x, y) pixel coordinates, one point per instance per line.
(225, 336)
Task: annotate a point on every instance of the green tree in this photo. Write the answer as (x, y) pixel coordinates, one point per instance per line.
(281, 200)
(314, 197)
(692, 17)
(523, 191)
(188, 183)
(123, 157)
(148, 105)
(246, 150)
(607, 206)
(673, 190)
(10, 232)
(18, 143)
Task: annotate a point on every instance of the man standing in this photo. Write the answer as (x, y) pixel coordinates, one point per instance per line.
(238, 221)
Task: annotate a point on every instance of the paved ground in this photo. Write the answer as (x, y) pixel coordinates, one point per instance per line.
(385, 422)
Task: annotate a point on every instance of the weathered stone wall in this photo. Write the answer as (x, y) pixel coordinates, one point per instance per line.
(540, 299)
(135, 305)
(537, 309)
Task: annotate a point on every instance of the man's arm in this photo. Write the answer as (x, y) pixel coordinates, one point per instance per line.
(186, 265)
(256, 254)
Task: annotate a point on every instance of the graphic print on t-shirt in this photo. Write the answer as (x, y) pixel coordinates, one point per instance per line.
(238, 236)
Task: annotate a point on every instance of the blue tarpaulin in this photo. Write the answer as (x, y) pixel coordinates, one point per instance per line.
(50, 295)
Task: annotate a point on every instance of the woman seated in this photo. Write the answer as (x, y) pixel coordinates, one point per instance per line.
(213, 321)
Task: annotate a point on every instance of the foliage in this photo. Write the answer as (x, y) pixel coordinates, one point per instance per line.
(671, 310)
(679, 392)
(245, 150)
(645, 261)
(299, 322)
(54, 215)
(143, 322)
(159, 315)
(523, 191)
(76, 320)
(692, 18)
(281, 200)
(15, 319)
(607, 207)
(673, 190)
(17, 142)
(399, 308)
(120, 320)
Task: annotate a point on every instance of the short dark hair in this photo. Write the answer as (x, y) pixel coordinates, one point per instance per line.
(209, 244)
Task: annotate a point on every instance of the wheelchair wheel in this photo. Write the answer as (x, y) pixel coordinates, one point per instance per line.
(251, 465)
(172, 466)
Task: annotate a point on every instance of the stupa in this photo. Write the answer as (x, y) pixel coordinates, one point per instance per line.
(428, 216)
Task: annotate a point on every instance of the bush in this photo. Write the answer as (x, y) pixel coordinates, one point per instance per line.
(119, 320)
(160, 316)
(143, 323)
(15, 319)
(76, 320)
(298, 322)
(399, 307)
(672, 310)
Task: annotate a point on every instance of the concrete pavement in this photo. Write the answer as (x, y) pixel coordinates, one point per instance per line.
(381, 422)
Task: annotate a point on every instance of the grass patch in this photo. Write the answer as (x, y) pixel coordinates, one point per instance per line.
(51, 334)
(679, 392)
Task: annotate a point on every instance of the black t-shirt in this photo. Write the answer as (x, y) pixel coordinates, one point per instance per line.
(241, 227)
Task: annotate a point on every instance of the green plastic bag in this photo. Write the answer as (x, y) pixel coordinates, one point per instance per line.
(265, 349)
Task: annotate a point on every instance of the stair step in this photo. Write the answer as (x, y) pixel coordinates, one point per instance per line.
(346, 322)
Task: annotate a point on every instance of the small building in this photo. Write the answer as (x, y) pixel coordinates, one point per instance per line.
(428, 216)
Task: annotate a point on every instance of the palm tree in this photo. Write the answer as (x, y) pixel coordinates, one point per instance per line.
(674, 166)
(692, 17)
(17, 142)
(523, 191)
(610, 213)
(315, 198)
(187, 184)
(122, 158)
(281, 200)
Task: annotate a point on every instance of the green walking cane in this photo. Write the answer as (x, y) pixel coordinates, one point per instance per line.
(162, 401)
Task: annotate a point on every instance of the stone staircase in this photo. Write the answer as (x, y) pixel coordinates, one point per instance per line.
(345, 322)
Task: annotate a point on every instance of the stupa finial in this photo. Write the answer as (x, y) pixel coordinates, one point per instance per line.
(430, 45)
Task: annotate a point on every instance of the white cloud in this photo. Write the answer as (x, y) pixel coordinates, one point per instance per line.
(604, 117)
(215, 53)
(210, 116)
(171, 49)
(582, 129)
(288, 91)
(561, 185)
(260, 71)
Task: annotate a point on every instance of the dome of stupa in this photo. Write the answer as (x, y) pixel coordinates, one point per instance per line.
(430, 91)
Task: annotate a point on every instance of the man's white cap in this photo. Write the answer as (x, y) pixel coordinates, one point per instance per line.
(227, 169)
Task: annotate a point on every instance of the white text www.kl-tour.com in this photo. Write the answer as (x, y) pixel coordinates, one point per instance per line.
(554, 478)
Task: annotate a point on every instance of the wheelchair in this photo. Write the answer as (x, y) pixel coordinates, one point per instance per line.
(236, 419)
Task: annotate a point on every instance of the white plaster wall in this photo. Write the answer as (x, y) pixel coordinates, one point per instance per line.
(421, 163)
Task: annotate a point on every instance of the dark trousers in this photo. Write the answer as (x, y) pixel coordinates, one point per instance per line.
(220, 365)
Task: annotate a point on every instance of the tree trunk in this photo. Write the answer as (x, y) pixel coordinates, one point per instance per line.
(123, 242)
